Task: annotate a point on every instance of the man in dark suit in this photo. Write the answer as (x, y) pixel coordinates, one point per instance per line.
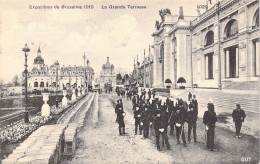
(210, 119)
(120, 120)
(238, 117)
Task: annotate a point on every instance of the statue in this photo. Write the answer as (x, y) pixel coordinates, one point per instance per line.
(157, 25)
(164, 12)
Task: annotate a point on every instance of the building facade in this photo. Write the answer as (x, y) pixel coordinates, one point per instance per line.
(42, 77)
(189, 47)
(142, 74)
(107, 75)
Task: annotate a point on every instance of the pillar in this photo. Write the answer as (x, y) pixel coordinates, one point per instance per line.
(64, 99)
(206, 67)
(73, 97)
(167, 59)
(242, 58)
(156, 66)
(227, 64)
(237, 63)
(45, 107)
(257, 58)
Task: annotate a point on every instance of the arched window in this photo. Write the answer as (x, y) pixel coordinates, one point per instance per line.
(42, 84)
(35, 84)
(256, 20)
(231, 28)
(209, 39)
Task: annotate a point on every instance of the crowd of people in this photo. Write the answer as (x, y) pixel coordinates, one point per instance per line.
(150, 112)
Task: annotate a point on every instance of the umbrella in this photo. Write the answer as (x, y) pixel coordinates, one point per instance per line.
(168, 81)
(181, 80)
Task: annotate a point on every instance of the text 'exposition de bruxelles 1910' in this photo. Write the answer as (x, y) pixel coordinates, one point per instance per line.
(86, 7)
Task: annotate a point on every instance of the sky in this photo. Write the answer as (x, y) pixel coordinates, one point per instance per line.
(66, 34)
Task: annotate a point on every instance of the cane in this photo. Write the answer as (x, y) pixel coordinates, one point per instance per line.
(205, 135)
(182, 129)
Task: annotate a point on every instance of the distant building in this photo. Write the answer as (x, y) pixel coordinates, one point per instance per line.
(119, 79)
(107, 75)
(42, 77)
(142, 74)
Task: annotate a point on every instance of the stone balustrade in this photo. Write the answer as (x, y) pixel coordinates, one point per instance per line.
(45, 145)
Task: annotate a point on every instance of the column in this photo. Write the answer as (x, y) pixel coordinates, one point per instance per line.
(253, 59)
(257, 58)
(237, 63)
(156, 66)
(206, 67)
(167, 59)
(227, 64)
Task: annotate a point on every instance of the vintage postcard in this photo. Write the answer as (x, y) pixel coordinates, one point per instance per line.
(129, 81)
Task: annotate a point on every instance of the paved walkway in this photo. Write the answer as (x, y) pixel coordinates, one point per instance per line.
(104, 145)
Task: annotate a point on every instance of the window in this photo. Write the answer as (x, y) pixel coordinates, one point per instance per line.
(209, 66)
(35, 84)
(209, 39)
(42, 84)
(256, 20)
(231, 28)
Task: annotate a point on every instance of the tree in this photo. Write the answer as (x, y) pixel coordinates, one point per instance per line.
(16, 81)
(121, 71)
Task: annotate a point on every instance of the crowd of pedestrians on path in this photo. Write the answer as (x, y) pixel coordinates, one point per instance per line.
(150, 112)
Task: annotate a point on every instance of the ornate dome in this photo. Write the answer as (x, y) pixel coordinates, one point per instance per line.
(38, 60)
(108, 65)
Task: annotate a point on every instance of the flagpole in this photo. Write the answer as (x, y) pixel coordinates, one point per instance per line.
(144, 70)
(149, 60)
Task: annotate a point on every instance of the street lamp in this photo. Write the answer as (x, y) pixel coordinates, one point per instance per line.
(144, 70)
(26, 113)
(57, 102)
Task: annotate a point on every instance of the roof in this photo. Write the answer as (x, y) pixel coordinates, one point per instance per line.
(38, 60)
(108, 65)
(34, 70)
(89, 69)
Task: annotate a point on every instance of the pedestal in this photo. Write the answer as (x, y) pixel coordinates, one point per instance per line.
(73, 97)
(45, 107)
(79, 92)
(64, 99)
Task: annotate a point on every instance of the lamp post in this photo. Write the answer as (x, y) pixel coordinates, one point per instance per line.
(219, 57)
(69, 82)
(144, 70)
(57, 102)
(149, 60)
(26, 113)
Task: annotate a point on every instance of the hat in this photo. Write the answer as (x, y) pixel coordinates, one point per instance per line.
(158, 112)
(238, 105)
(136, 106)
(210, 100)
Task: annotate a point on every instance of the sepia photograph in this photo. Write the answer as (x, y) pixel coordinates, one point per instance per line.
(129, 81)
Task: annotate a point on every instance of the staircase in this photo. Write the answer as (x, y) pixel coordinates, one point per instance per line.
(225, 102)
(247, 85)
